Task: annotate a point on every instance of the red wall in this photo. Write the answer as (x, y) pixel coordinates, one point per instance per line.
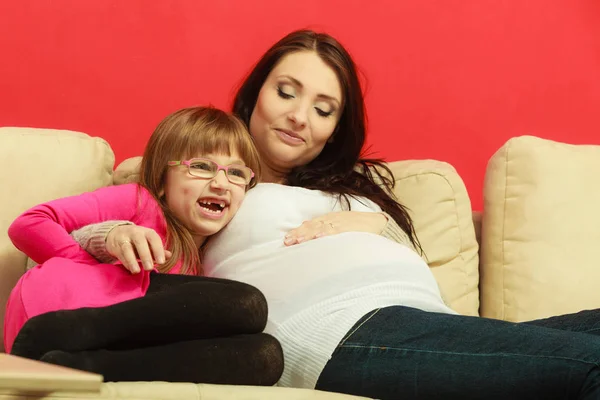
(449, 80)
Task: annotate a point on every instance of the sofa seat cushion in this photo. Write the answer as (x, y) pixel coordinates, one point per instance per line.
(181, 391)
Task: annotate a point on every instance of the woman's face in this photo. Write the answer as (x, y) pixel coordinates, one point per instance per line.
(296, 112)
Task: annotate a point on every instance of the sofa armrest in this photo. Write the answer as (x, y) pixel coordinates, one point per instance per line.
(39, 165)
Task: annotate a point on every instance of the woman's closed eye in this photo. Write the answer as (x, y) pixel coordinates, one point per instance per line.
(283, 94)
(323, 113)
(288, 94)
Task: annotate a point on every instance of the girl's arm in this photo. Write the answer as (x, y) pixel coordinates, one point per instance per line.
(43, 231)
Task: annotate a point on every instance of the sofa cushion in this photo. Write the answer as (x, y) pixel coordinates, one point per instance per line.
(180, 391)
(440, 207)
(38, 165)
(541, 230)
(128, 171)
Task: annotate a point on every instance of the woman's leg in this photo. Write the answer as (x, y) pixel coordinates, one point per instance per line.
(587, 321)
(200, 308)
(400, 352)
(241, 360)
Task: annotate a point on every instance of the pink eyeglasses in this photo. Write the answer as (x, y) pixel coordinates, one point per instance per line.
(208, 169)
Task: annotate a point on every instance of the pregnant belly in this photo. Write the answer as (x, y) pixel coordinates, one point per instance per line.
(307, 273)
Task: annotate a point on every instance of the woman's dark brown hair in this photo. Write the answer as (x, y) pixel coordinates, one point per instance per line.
(339, 168)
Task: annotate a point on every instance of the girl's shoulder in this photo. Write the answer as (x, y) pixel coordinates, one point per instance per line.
(146, 209)
(131, 190)
(127, 189)
(150, 214)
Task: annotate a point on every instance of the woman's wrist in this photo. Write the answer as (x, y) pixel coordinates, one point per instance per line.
(388, 218)
(394, 232)
(92, 238)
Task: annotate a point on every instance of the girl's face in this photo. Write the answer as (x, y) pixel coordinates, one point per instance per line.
(296, 112)
(204, 205)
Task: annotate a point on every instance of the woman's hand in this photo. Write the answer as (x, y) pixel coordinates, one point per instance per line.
(334, 223)
(128, 243)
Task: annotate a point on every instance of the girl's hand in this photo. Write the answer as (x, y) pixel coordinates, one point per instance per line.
(128, 243)
(334, 223)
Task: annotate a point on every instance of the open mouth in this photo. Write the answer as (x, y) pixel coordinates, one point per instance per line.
(215, 207)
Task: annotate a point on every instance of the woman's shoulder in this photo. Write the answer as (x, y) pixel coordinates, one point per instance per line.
(273, 193)
(276, 189)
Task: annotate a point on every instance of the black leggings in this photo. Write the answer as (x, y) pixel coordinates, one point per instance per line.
(186, 329)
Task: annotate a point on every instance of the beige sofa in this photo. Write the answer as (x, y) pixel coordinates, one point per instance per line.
(532, 253)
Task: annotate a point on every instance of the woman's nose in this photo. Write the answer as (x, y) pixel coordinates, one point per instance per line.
(299, 116)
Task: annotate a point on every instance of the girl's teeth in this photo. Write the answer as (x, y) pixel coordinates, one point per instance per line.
(212, 211)
(220, 203)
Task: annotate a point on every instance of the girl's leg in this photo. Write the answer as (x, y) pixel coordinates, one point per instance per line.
(400, 352)
(200, 308)
(163, 282)
(241, 360)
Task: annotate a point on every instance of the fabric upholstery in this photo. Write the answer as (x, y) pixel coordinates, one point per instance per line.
(540, 230)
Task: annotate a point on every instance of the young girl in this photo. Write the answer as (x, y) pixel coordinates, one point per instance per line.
(74, 311)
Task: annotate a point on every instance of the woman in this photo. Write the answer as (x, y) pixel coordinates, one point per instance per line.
(355, 312)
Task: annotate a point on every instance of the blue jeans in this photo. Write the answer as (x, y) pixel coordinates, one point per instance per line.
(404, 353)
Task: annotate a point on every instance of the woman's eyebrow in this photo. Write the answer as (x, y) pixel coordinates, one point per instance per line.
(300, 85)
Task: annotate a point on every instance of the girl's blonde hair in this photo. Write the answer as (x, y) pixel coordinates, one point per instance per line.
(180, 136)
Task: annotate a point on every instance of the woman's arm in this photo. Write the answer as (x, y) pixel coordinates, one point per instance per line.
(96, 239)
(43, 231)
(394, 232)
(102, 242)
(92, 238)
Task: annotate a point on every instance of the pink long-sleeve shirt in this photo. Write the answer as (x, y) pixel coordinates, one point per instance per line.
(67, 277)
